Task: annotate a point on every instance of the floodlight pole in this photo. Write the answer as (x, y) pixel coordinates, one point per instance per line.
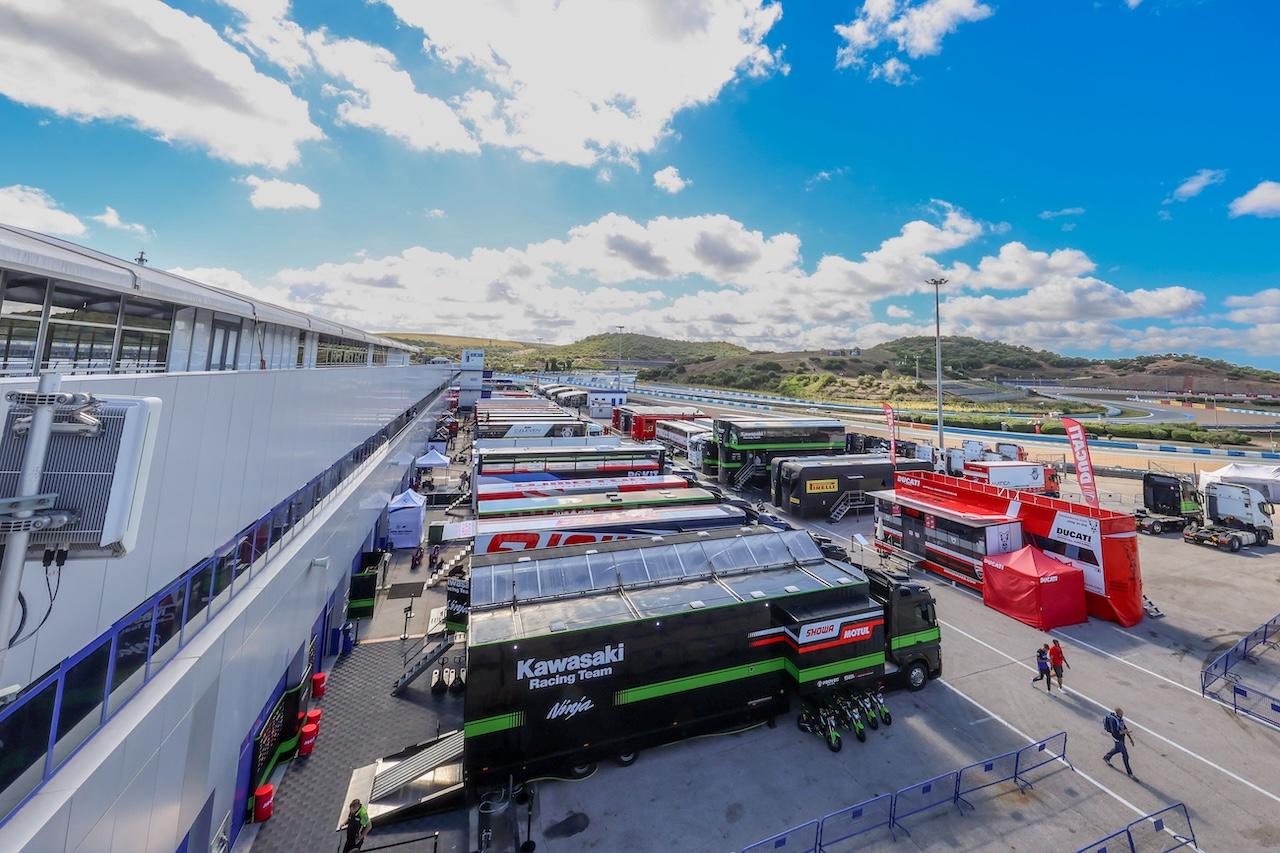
(15, 544)
(937, 284)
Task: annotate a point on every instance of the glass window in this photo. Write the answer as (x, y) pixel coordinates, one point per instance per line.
(24, 738)
(769, 550)
(279, 522)
(23, 296)
(168, 625)
(801, 546)
(527, 585)
(77, 346)
(223, 566)
(84, 687)
(662, 562)
(76, 303)
(302, 349)
(17, 346)
(693, 558)
(224, 345)
(729, 555)
(201, 592)
(131, 658)
(143, 352)
(147, 314)
(629, 567)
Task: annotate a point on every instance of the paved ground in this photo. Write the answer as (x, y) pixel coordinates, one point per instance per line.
(1225, 768)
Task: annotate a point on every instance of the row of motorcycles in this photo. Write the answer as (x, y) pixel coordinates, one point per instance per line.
(847, 709)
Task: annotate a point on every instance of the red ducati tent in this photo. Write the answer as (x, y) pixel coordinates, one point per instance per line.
(1034, 588)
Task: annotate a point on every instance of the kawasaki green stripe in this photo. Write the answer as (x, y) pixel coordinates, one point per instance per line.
(927, 636)
(488, 725)
(693, 682)
(801, 445)
(838, 668)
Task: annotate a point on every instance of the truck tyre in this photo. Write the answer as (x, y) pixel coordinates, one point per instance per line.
(1263, 538)
(626, 759)
(1234, 544)
(1157, 528)
(582, 771)
(917, 676)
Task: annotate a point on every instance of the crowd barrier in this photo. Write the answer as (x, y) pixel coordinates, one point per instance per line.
(888, 810)
(1162, 831)
(1243, 698)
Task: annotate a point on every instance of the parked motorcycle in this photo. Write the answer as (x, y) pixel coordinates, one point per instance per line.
(820, 721)
(870, 709)
(885, 716)
(847, 716)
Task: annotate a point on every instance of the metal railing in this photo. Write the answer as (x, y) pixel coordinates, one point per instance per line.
(1165, 830)
(888, 810)
(1244, 699)
(54, 716)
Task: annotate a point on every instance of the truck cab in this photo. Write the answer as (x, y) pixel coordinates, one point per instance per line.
(1169, 503)
(913, 641)
(1235, 516)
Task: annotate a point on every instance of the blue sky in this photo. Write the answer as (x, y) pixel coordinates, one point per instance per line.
(1096, 178)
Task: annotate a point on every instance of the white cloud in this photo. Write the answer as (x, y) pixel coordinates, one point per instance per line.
(1133, 4)
(154, 67)
(1016, 267)
(912, 27)
(824, 176)
(1066, 211)
(897, 312)
(434, 213)
(274, 194)
(1263, 200)
(1196, 184)
(383, 97)
(35, 209)
(1069, 226)
(111, 219)
(669, 179)
(265, 29)
(580, 82)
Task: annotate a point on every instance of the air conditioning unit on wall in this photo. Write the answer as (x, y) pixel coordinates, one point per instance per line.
(96, 472)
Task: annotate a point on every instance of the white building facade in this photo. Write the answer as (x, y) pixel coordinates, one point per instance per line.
(148, 681)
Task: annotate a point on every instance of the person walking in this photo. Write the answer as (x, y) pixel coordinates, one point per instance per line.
(1115, 726)
(357, 826)
(1058, 660)
(1042, 664)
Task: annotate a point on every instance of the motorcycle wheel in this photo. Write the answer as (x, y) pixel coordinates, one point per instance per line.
(887, 717)
(873, 721)
(862, 734)
(834, 743)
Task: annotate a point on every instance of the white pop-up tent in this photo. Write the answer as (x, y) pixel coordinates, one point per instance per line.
(432, 459)
(406, 517)
(1264, 478)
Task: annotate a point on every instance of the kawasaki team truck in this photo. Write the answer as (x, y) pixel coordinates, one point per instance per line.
(1169, 503)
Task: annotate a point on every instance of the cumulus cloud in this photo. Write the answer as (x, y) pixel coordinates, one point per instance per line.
(274, 194)
(669, 179)
(1263, 200)
(35, 209)
(434, 213)
(825, 175)
(915, 28)
(579, 82)
(163, 71)
(265, 30)
(712, 277)
(111, 219)
(379, 95)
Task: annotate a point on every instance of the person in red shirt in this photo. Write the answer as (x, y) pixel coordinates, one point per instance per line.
(1057, 660)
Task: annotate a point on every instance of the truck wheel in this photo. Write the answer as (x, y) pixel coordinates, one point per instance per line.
(1157, 528)
(1234, 544)
(1263, 538)
(626, 759)
(582, 771)
(917, 676)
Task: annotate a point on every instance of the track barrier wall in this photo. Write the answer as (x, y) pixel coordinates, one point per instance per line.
(887, 810)
(1159, 832)
(1217, 678)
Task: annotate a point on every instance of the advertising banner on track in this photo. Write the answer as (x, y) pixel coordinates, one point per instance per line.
(890, 421)
(1079, 442)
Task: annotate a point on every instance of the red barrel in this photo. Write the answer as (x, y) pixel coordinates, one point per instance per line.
(264, 801)
(313, 717)
(317, 684)
(307, 740)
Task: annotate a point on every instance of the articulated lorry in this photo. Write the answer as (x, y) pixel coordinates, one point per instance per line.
(1168, 503)
(1235, 517)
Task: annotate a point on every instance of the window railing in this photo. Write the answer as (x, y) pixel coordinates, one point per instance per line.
(58, 712)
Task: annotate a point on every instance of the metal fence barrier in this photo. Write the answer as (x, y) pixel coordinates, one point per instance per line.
(888, 810)
(797, 839)
(1159, 832)
(923, 796)
(1243, 699)
(857, 820)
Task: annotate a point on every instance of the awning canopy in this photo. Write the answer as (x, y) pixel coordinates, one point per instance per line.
(432, 459)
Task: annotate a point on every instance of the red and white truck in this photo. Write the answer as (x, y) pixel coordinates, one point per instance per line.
(1024, 476)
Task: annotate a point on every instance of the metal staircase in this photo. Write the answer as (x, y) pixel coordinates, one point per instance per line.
(448, 748)
(745, 473)
(843, 504)
(422, 661)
